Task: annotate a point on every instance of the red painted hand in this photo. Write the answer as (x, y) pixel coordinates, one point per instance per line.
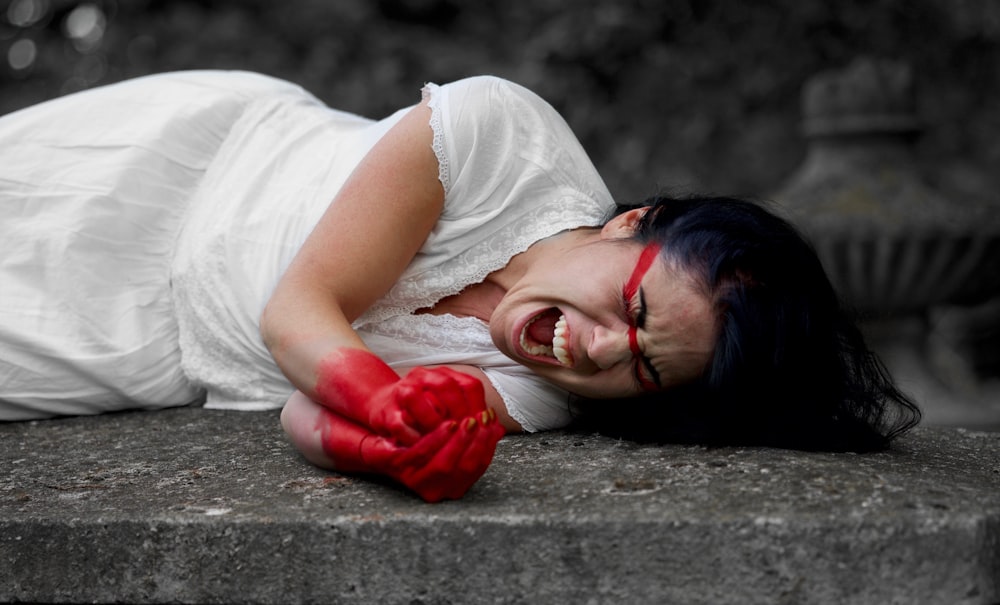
(447, 462)
(359, 385)
(443, 464)
(426, 397)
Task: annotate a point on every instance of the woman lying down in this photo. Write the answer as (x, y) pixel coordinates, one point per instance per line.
(408, 289)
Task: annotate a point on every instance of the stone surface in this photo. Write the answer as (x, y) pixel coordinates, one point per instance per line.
(196, 506)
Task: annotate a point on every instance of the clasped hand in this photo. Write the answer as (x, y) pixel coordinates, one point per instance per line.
(418, 403)
(430, 430)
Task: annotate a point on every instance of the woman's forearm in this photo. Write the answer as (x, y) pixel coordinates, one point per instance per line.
(321, 355)
(327, 361)
(363, 242)
(300, 333)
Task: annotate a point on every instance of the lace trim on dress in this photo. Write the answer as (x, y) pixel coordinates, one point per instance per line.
(447, 332)
(425, 289)
(429, 93)
(510, 403)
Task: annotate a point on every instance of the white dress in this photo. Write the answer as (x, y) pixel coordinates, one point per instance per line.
(145, 224)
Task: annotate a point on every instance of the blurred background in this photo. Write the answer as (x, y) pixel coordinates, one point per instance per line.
(666, 95)
(677, 94)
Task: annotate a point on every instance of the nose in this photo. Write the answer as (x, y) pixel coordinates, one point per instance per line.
(609, 346)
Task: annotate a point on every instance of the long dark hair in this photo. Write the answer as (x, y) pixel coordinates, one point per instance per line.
(790, 367)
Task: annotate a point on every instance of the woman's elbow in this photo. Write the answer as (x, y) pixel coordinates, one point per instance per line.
(300, 419)
(270, 326)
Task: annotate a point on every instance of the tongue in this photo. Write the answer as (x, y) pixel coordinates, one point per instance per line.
(540, 331)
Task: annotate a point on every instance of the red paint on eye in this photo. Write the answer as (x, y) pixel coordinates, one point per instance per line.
(649, 254)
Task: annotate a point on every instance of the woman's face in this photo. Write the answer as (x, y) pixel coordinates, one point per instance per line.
(566, 318)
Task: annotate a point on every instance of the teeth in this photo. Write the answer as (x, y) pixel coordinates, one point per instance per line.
(530, 348)
(559, 342)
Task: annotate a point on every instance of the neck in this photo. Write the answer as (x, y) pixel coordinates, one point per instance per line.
(479, 300)
(560, 242)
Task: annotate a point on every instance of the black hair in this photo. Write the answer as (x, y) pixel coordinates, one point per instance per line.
(790, 367)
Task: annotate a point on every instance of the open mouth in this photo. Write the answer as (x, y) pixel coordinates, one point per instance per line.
(547, 335)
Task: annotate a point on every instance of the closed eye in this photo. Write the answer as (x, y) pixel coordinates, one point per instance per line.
(637, 320)
(638, 380)
(640, 323)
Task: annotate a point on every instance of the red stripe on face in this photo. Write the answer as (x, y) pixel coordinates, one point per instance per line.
(649, 254)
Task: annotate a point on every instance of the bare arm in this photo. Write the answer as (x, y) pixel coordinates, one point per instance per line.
(352, 411)
(302, 419)
(356, 252)
(430, 430)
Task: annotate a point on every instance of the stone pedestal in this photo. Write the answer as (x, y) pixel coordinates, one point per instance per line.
(891, 243)
(894, 246)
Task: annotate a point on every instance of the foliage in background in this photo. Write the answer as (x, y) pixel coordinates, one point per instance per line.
(672, 94)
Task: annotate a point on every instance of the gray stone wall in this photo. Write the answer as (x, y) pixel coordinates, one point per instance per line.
(676, 95)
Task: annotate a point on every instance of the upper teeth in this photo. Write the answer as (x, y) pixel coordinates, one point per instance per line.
(558, 348)
(559, 343)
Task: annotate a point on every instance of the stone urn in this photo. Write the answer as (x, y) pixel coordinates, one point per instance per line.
(891, 244)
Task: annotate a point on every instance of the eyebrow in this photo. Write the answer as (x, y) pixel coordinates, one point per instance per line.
(640, 322)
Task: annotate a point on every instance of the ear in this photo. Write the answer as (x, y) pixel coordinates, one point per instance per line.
(623, 225)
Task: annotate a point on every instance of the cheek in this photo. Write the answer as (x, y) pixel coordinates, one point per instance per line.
(501, 323)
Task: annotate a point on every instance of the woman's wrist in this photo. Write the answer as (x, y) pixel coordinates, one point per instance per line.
(350, 381)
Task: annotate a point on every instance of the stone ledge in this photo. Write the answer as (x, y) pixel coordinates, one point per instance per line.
(195, 506)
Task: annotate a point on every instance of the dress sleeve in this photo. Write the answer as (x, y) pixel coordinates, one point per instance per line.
(513, 173)
(501, 146)
(534, 403)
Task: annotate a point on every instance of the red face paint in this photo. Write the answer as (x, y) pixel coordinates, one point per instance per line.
(649, 254)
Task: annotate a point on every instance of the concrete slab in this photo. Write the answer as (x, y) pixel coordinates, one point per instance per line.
(196, 506)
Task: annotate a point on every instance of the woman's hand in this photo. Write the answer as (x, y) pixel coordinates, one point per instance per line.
(424, 399)
(443, 464)
(360, 386)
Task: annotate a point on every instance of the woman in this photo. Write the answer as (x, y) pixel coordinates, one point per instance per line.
(173, 238)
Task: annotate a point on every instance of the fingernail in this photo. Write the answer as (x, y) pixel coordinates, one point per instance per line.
(492, 414)
(485, 417)
(471, 424)
(452, 426)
